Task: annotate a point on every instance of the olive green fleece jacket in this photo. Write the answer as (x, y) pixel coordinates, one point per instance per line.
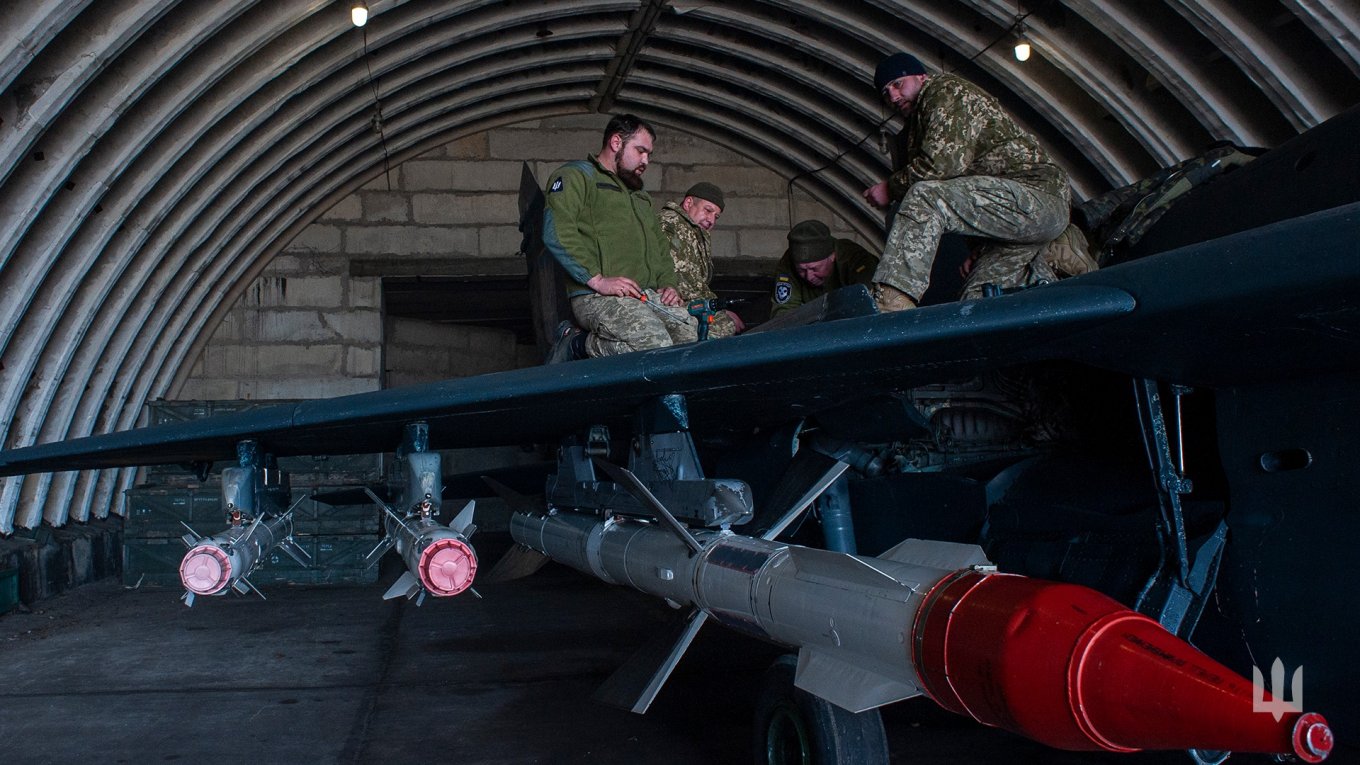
(594, 226)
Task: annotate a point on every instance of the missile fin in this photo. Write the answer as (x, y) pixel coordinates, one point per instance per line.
(250, 586)
(949, 556)
(378, 551)
(806, 479)
(518, 502)
(847, 685)
(192, 538)
(406, 586)
(841, 568)
(463, 520)
(519, 561)
(290, 546)
(635, 685)
(642, 494)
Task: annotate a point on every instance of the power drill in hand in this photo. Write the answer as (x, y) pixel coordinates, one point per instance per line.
(704, 309)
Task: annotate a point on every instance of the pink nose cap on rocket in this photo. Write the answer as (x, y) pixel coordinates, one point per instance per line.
(447, 567)
(205, 570)
(1074, 669)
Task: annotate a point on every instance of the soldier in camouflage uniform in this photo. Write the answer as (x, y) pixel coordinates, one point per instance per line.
(687, 224)
(816, 263)
(600, 226)
(968, 169)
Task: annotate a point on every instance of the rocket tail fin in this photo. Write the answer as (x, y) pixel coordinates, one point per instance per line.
(463, 522)
(518, 562)
(805, 480)
(407, 586)
(635, 685)
(294, 551)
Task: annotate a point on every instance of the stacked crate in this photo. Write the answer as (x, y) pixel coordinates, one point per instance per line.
(336, 537)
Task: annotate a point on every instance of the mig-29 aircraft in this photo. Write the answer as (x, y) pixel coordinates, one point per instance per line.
(1167, 441)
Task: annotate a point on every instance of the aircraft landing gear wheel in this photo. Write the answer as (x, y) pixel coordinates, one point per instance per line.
(793, 727)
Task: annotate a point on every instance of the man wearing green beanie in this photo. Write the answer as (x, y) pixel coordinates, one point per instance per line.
(816, 263)
(688, 225)
(968, 168)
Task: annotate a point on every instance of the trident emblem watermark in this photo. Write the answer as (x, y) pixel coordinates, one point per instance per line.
(1281, 704)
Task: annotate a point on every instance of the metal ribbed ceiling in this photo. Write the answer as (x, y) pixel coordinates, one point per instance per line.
(155, 154)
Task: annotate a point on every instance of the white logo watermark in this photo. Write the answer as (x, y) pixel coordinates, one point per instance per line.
(1281, 704)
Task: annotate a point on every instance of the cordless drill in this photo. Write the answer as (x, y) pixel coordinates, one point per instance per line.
(704, 309)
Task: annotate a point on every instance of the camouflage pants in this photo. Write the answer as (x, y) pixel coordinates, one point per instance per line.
(622, 325)
(1020, 220)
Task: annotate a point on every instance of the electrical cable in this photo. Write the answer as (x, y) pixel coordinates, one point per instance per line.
(377, 120)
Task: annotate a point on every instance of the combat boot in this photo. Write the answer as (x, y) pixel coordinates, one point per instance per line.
(889, 298)
(563, 348)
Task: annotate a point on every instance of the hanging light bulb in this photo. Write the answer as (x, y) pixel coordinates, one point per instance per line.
(358, 13)
(1022, 49)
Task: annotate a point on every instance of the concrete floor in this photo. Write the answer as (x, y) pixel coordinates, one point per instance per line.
(336, 675)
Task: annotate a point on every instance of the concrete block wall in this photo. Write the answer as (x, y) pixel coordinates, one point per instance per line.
(307, 328)
(425, 351)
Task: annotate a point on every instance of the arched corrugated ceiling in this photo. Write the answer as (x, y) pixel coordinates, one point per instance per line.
(155, 154)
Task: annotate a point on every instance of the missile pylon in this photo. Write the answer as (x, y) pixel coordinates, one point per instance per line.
(440, 561)
(216, 564)
(1058, 663)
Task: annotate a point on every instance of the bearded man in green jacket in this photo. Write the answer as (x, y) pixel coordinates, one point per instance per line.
(967, 169)
(601, 227)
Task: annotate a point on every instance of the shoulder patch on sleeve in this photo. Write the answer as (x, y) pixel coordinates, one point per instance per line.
(556, 185)
(782, 291)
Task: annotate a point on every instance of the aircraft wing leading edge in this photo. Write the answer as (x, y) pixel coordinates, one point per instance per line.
(1268, 303)
(801, 368)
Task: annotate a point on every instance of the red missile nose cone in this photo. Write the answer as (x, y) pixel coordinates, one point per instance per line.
(447, 567)
(1312, 738)
(205, 570)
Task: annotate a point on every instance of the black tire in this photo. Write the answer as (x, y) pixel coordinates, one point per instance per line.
(793, 727)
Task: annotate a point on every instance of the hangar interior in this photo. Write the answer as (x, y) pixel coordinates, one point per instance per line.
(259, 201)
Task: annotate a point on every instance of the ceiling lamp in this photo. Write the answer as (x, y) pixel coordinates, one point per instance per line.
(1022, 48)
(358, 13)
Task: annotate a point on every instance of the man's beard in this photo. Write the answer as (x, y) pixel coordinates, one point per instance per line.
(630, 178)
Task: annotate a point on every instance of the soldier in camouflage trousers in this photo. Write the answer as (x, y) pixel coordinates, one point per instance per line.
(687, 224)
(600, 225)
(967, 169)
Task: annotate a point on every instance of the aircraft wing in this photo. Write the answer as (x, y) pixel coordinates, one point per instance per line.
(1266, 303)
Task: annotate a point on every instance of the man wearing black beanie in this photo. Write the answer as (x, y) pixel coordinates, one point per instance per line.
(967, 169)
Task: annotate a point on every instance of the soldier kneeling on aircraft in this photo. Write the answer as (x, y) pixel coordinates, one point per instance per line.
(968, 168)
(600, 225)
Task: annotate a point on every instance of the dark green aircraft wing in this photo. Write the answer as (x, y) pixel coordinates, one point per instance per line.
(1269, 303)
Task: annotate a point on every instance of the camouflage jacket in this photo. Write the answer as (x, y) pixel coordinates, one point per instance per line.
(593, 225)
(956, 129)
(692, 253)
(854, 265)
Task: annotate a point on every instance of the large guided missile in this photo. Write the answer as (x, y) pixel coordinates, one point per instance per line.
(1058, 663)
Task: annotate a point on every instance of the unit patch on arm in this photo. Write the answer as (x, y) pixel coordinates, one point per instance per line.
(556, 186)
(782, 290)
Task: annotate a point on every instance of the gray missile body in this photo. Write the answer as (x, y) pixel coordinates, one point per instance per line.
(850, 617)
